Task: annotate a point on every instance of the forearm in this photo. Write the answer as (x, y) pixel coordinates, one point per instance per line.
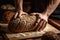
(52, 7)
(20, 4)
(19, 7)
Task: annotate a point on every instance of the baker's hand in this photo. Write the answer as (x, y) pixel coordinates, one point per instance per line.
(42, 16)
(41, 21)
(19, 14)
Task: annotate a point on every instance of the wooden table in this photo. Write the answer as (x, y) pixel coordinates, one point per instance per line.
(29, 34)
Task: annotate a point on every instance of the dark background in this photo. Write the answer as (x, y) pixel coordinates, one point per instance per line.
(41, 8)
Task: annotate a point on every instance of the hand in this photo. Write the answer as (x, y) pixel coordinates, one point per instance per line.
(41, 15)
(19, 14)
(41, 21)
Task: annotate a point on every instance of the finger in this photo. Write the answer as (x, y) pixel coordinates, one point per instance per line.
(39, 24)
(16, 15)
(43, 25)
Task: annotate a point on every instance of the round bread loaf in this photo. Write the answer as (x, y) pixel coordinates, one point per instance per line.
(7, 16)
(27, 23)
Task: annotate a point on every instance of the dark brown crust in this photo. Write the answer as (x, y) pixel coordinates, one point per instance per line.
(41, 24)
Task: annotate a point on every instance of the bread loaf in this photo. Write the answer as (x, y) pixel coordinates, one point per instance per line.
(7, 16)
(27, 23)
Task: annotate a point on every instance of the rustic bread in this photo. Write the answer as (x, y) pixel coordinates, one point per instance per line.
(27, 23)
(7, 16)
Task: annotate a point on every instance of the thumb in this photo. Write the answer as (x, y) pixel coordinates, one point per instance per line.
(16, 15)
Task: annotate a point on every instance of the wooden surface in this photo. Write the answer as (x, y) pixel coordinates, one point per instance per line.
(30, 34)
(55, 23)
